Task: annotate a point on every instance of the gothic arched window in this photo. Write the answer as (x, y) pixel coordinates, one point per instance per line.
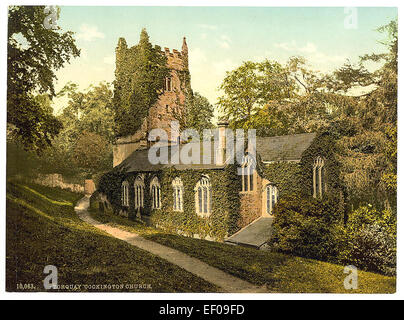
(155, 191)
(139, 192)
(178, 190)
(319, 184)
(247, 174)
(203, 197)
(272, 196)
(125, 193)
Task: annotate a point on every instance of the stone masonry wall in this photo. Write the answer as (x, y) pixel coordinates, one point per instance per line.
(56, 180)
(251, 203)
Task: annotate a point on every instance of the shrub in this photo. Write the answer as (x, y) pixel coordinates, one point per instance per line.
(370, 240)
(307, 228)
(110, 184)
(371, 248)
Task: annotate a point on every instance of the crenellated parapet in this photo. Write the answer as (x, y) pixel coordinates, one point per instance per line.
(176, 59)
(170, 101)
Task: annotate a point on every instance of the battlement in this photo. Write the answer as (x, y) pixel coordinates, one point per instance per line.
(175, 58)
(175, 53)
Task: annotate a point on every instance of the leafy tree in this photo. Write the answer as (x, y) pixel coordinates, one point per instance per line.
(34, 53)
(368, 240)
(91, 111)
(281, 99)
(88, 111)
(249, 87)
(369, 135)
(90, 152)
(197, 113)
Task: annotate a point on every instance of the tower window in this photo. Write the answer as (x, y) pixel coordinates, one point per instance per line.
(168, 84)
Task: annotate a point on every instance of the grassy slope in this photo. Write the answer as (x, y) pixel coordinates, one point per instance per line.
(43, 229)
(280, 272)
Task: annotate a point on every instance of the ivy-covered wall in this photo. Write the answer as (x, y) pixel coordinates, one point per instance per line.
(225, 214)
(285, 175)
(225, 203)
(296, 178)
(139, 77)
(231, 210)
(143, 99)
(324, 146)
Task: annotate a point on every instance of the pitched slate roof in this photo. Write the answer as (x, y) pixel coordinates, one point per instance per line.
(279, 148)
(139, 159)
(283, 148)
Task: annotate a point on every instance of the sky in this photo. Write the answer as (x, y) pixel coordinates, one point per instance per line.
(220, 38)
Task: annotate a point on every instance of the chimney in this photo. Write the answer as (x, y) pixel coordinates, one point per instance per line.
(221, 150)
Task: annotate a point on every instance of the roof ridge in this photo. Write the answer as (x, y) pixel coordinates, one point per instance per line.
(289, 135)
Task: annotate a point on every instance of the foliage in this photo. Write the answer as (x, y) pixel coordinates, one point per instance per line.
(324, 145)
(249, 87)
(225, 204)
(110, 184)
(300, 100)
(368, 151)
(371, 248)
(313, 228)
(87, 116)
(34, 53)
(369, 240)
(90, 110)
(306, 227)
(20, 162)
(389, 176)
(297, 178)
(139, 76)
(284, 175)
(197, 113)
(368, 215)
(90, 151)
(275, 99)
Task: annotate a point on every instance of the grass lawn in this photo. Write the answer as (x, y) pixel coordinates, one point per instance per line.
(43, 229)
(280, 272)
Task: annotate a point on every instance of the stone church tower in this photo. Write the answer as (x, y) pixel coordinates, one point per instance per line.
(168, 106)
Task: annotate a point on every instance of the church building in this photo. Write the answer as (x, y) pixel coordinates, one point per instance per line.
(210, 200)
